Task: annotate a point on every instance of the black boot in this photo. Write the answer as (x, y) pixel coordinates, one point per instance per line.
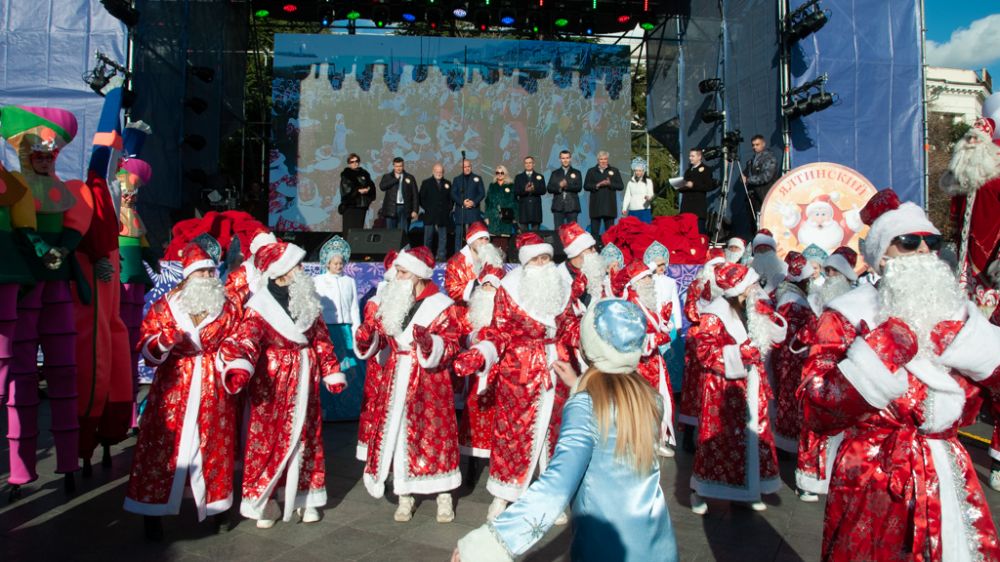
(153, 527)
(106, 457)
(688, 443)
(88, 469)
(14, 494)
(69, 483)
(220, 522)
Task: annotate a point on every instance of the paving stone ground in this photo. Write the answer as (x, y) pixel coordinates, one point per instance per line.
(46, 524)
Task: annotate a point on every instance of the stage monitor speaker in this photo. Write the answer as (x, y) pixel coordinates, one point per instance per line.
(551, 237)
(373, 243)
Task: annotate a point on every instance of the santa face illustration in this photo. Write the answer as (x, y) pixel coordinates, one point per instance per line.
(820, 228)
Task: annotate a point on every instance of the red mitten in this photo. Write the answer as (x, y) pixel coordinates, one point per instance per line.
(667, 311)
(236, 379)
(944, 333)
(894, 343)
(469, 362)
(422, 338)
(764, 307)
(336, 388)
(364, 336)
(171, 337)
(749, 353)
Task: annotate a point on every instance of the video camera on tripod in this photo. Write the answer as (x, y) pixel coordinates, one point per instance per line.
(729, 149)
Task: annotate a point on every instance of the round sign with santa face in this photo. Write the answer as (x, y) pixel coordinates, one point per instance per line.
(819, 204)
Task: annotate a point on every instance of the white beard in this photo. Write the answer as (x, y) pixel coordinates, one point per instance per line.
(542, 290)
(202, 295)
(396, 300)
(920, 290)
(831, 288)
(594, 269)
(733, 257)
(304, 305)
(974, 162)
(828, 236)
(646, 294)
(770, 268)
(487, 254)
(481, 308)
(758, 325)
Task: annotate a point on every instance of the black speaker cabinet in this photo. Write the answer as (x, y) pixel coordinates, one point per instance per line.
(373, 243)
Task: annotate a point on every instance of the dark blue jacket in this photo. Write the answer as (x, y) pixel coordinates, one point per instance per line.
(467, 187)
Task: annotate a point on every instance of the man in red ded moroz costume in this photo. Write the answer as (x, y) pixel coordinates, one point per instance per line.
(373, 365)
(241, 282)
(462, 269)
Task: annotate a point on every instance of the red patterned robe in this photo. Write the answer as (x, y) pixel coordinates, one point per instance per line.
(519, 348)
(188, 432)
(373, 382)
(460, 276)
(239, 284)
(735, 459)
(786, 363)
(653, 368)
(903, 486)
(414, 433)
(690, 406)
(284, 439)
(475, 429)
(995, 403)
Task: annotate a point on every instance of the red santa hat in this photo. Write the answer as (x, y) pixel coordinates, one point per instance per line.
(260, 239)
(716, 253)
(737, 241)
(764, 238)
(491, 274)
(844, 259)
(418, 261)
(574, 239)
(799, 268)
(193, 258)
(476, 231)
(628, 275)
(732, 279)
(530, 245)
(824, 202)
(986, 125)
(889, 218)
(277, 259)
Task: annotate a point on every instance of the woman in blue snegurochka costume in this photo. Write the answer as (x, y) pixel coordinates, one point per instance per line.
(605, 462)
(339, 296)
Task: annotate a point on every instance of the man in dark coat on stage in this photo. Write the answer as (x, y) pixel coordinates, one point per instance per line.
(565, 185)
(698, 181)
(602, 181)
(467, 192)
(435, 199)
(529, 186)
(399, 205)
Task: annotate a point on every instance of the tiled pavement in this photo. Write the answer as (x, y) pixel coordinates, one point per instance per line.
(46, 524)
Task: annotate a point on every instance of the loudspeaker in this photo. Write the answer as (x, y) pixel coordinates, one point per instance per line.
(373, 243)
(551, 237)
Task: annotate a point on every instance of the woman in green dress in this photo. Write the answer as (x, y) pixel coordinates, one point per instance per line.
(501, 206)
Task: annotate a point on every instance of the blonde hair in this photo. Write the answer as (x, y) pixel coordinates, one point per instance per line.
(637, 414)
(506, 175)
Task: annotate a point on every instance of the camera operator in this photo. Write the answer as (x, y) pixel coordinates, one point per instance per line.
(761, 172)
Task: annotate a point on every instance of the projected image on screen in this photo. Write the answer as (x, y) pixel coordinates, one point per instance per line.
(427, 99)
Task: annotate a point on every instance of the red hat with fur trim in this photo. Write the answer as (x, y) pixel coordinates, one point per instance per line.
(194, 257)
(491, 274)
(733, 278)
(889, 218)
(261, 238)
(764, 238)
(799, 269)
(575, 239)
(277, 259)
(632, 272)
(844, 259)
(418, 261)
(530, 245)
(476, 231)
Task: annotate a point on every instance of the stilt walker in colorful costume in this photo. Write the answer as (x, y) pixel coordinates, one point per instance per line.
(45, 313)
(280, 353)
(187, 433)
(339, 295)
(414, 432)
(893, 367)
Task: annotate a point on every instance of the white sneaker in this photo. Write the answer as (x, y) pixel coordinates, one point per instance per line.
(698, 505)
(758, 506)
(271, 515)
(496, 508)
(405, 510)
(446, 512)
(562, 519)
(808, 497)
(664, 451)
(308, 514)
(995, 480)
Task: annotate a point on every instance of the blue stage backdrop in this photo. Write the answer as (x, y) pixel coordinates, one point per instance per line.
(427, 99)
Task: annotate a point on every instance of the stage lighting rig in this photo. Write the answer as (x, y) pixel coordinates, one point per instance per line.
(729, 149)
(106, 69)
(807, 18)
(710, 85)
(712, 115)
(807, 98)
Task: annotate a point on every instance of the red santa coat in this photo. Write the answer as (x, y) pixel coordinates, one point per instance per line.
(519, 347)
(188, 429)
(786, 363)
(373, 382)
(984, 228)
(653, 368)
(690, 405)
(903, 487)
(475, 429)
(239, 283)
(994, 397)
(460, 276)
(735, 459)
(414, 433)
(284, 435)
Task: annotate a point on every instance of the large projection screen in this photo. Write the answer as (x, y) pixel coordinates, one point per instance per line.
(426, 99)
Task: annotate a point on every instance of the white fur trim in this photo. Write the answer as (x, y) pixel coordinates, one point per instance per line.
(467, 291)
(335, 378)
(261, 240)
(764, 240)
(234, 364)
(195, 266)
(481, 545)
(433, 359)
(733, 361)
(263, 302)
(975, 351)
(292, 256)
(857, 305)
(581, 243)
(489, 352)
(491, 279)
(807, 272)
(531, 251)
(359, 351)
(474, 452)
(148, 356)
(469, 239)
(945, 397)
(808, 483)
(749, 279)
(907, 219)
(870, 377)
(841, 264)
(414, 265)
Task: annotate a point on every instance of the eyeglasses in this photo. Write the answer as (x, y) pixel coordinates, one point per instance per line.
(911, 242)
(499, 173)
(354, 161)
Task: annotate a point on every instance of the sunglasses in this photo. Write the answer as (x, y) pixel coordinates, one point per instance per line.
(911, 242)
(499, 173)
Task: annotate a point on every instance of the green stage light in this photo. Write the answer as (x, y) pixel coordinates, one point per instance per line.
(648, 26)
(353, 15)
(561, 22)
(262, 13)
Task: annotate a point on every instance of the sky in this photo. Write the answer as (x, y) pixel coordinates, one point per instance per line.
(964, 34)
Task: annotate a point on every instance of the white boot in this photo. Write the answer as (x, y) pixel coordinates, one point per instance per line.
(271, 514)
(446, 513)
(664, 451)
(698, 505)
(308, 514)
(562, 519)
(808, 497)
(496, 508)
(405, 510)
(758, 506)
(995, 480)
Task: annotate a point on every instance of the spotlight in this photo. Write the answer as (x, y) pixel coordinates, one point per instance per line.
(507, 18)
(712, 115)
(195, 142)
(434, 17)
(197, 105)
(353, 15)
(204, 73)
(712, 153)
(806, 19)
(624, 18)
(123, 11)
(408, 17)
(101, 76)
(820, 101)
(647, 26)
(560, 22)
(380, 14)
(290, 8)
(710, 85)
(460, 12)
(261, 14)
(482, 20)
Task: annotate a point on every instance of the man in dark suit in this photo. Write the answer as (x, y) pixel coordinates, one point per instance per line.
(467, 191)
(602, 181)
(435, 199)
(565, 185)
(698, 181)
(761, 173)
(399, 206)
(529, 186)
